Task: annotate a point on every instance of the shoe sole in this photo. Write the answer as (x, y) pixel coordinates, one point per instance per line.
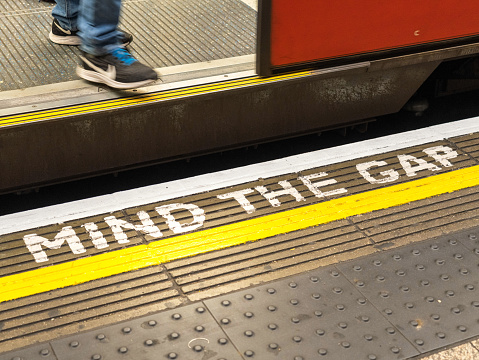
(65, 40)
(96, 77)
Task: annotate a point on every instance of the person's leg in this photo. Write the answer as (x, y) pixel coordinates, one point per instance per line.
(104, 59)
(65, 24)
(65, 13)
(98, 24)
(67, 16)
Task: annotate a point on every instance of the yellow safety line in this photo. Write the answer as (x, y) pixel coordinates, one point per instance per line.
(161, 251)
(143, 99)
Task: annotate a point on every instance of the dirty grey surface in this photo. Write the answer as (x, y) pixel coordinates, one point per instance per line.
(428, 291)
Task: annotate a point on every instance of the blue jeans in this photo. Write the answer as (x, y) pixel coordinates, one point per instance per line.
(95, 20)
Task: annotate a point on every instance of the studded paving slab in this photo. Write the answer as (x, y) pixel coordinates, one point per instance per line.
(398, 304)
(166, 33)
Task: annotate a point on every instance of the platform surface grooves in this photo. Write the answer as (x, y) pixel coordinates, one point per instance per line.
(170, 233)
(166, 33)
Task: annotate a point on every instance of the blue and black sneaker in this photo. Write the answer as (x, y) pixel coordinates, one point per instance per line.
(62, 36)
(118, 69)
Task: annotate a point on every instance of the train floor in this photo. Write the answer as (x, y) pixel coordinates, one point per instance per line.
(185, 37)
(185, 42)
(363, 251)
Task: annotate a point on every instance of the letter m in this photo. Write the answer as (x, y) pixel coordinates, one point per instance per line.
(35, 243)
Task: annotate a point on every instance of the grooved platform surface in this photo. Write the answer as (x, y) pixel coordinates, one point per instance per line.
(166, 33)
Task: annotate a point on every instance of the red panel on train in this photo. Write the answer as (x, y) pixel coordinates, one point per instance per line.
(309, 30)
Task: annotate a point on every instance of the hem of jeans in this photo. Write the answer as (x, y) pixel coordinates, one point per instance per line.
(100, 51)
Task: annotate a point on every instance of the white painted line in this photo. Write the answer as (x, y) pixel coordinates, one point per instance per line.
(252, 4)
(184, 187)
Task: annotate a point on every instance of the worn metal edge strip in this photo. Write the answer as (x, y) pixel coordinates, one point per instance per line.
(137, 257)
(77, 92)
(145, 99)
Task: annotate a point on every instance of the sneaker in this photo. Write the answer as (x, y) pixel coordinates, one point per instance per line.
(118, 69)
(61, 36)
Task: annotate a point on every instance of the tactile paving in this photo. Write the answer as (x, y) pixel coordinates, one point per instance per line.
(396, 304)
(37, 352)
(317, 315)
(429, 291)
(189, 333)
(470, 239)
